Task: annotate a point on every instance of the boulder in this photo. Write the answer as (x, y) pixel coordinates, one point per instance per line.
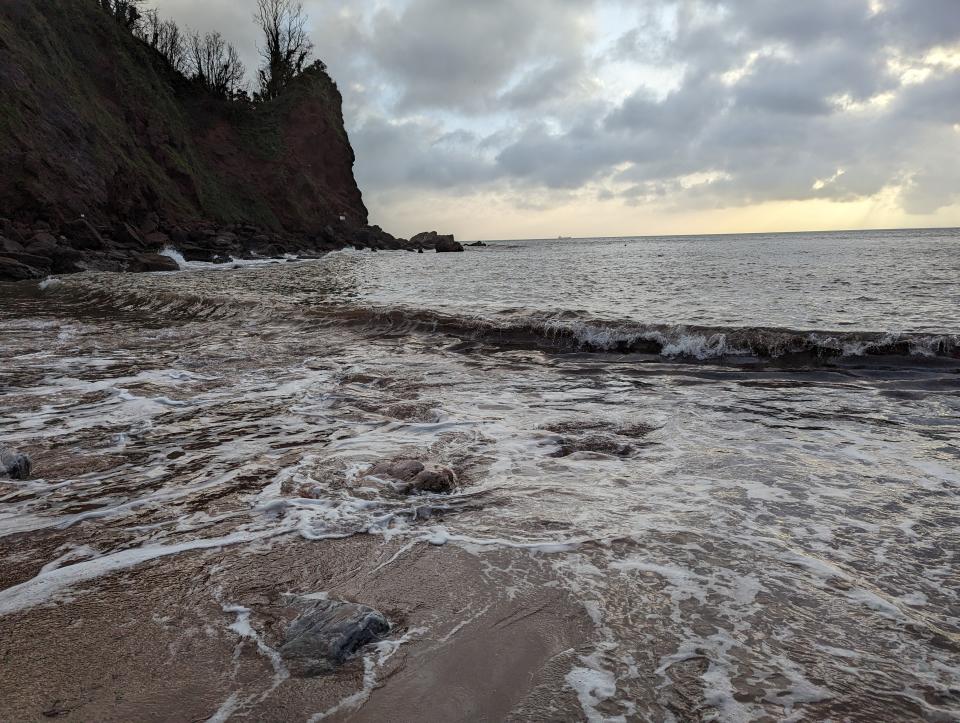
(327, 633)
(9, 245)
(42, 244)
(45, 253)
(141, 263)
(83, 235)
(12, 270)
(14, 464)
(477, 243)
(415, 476)
(156, 240)
(127, 236)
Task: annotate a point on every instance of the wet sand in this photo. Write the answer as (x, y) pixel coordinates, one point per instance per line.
(631, 538)
(153, 642)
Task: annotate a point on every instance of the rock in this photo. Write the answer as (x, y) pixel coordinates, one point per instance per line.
(417, 476)
(435, 478)
(42, 244)
(83, 235)
(442, 243)
(403, 469)
(327, 633)
(419, 249)
(41, 263)
(15, 465)
(477, 243)
(127, 236)
(151, 223)
(12, 270)
(141, 263)
(9, 245)
(446, 244)
(156, 240)
(599, 443)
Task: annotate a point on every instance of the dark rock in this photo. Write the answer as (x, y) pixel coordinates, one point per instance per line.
(10, 246)
(11, 270)
(446, 244)
(416, 476)
(43, 244)
(15, 465)
(83, 235)
(42, 263)
(150, 223)
(420, 249)
(597, 443)
(156, 241)
(327, 633)
(127, 236)
(442, 243)
(141, 263)
(477, 243)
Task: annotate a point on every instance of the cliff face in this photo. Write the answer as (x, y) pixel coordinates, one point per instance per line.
(93, 122)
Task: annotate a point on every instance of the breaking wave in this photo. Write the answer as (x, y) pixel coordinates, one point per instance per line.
(554, 331)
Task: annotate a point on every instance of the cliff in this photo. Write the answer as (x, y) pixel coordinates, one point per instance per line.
(107, 149)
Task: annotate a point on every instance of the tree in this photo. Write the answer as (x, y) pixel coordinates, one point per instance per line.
(215, 63)
(126, 12)
(165, 37)
(287, 47)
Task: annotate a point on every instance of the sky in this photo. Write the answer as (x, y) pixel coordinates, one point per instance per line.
(539, 118)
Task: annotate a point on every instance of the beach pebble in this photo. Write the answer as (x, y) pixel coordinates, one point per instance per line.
(15, 465)
(328, 632)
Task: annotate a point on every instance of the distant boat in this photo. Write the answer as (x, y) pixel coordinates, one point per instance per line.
(564, 238)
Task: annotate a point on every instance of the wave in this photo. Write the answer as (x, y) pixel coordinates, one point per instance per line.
(562, 331)
(569, 331)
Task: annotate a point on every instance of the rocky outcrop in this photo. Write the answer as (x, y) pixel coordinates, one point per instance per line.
(115, 154)
(440, 242)
(327, 633)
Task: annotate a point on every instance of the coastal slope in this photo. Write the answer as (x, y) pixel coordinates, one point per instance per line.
(107, 149)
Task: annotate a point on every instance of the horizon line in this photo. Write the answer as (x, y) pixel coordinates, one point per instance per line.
(713, 235)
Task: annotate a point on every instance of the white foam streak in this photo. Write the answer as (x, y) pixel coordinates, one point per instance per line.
(47, 585)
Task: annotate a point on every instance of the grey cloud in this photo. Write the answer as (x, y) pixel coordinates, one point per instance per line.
(505, 95)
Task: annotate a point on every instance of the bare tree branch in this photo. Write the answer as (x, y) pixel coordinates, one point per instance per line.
(215, 63)
(287, 47)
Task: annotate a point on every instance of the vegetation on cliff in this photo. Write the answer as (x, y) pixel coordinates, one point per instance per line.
(96, 120)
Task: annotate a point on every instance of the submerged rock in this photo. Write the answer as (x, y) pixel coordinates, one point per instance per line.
(597, 443)
(417, 476)
(327, 633)
(15, 465)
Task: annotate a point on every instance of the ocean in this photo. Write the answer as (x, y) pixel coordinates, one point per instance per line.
(699, 478)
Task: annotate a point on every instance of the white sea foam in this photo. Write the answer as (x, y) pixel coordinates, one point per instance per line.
(47, 585)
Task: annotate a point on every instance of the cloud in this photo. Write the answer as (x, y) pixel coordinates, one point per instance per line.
(692, 103)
